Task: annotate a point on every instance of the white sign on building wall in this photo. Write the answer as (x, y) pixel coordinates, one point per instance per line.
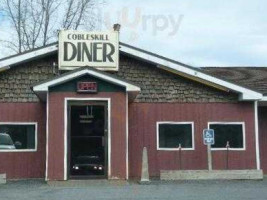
(95, 49)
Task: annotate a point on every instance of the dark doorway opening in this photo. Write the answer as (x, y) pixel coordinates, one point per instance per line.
(88, 141)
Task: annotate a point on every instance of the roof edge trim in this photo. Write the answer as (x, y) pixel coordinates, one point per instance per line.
(245, 93)
(20, 58)
(44, 87)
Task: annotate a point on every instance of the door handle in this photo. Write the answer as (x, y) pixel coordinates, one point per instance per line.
(103, 141)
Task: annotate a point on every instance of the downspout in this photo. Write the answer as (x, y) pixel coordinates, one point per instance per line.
(47, 137)
(127, 138)
(257, 135)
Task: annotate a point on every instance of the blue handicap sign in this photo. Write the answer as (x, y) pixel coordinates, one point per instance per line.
(208, 136)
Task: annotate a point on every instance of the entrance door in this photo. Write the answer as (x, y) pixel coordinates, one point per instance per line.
(87, 140)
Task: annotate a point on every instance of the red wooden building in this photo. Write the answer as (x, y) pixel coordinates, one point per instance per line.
(57, 124)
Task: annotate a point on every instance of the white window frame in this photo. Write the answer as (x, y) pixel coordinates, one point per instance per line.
(176, 149)
(22, 123)
(230, 123)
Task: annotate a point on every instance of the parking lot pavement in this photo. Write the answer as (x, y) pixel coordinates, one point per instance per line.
(189, 190)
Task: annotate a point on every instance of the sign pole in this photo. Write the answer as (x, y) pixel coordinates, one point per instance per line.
(209, 157)
(227, 155)
(180, 156)
(209, 139)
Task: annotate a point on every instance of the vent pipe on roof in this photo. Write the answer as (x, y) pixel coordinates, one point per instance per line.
(116, 27)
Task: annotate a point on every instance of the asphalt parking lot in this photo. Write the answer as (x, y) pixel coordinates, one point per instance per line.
(200, 190)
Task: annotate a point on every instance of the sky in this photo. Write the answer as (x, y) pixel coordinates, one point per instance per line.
(195, 32)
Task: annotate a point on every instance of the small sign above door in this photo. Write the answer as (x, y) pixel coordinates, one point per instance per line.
(87, 87)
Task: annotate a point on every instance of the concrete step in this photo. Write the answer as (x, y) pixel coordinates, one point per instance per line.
(211, 175)
(2, 178)
(87, 183)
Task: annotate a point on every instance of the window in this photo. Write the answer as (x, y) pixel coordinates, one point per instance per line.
(18, 136)
(171, 134)
(232, 132)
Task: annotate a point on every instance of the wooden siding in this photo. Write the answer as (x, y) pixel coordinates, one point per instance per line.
(56, 132)
(24, 164)
(142, 132)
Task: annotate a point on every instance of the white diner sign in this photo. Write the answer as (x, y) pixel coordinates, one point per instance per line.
(95, 49)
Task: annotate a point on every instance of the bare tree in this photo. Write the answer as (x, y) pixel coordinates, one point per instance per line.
(76, 13)
(36, 22)
(14, 11)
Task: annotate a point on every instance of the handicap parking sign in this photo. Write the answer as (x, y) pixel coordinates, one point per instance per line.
(208, 136)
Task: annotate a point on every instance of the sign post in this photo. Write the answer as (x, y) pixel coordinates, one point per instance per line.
(209, 157)
(180, 156)
(208, 139)
(227, 154)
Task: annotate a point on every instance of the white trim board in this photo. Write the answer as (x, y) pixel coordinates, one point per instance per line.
(244, 136)
(47, 137)
(108, 100)
(175, 149)
(127, 138)
(258, 163)
(264, 98)
(44, 86)
(36, 136)
(245, 94)
(20, 58)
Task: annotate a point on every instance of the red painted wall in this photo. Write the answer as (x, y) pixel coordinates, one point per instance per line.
(24, 164)
(56, 132)
(263, 137)
(142, 132)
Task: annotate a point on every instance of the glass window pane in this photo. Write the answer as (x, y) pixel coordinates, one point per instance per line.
(14, 136)
(228, 132)
(171, 135)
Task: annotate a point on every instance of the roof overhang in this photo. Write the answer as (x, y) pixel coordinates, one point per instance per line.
(263, 101)
(43, 88)
(264, 98)
(24, 57)
(245, 94)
